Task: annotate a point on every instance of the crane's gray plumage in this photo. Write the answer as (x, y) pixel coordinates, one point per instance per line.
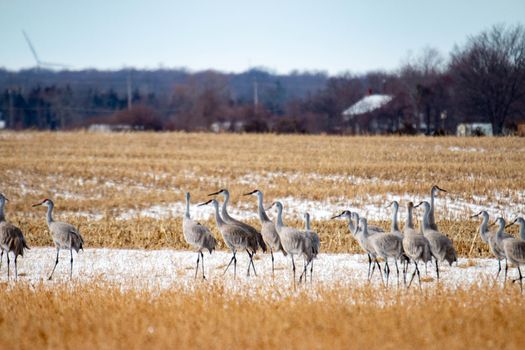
(431, 218)
(387, 245)
(356, 231)
(490, 238)
(230, 220)
(316, 245)
(441, 246)
(268, 230)
(11, 238)
(235, 237)
(294, 241)
(197, 235)
(415, 245)
(515, 249)
(64, 235)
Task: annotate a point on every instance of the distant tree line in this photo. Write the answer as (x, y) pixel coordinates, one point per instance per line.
(481, 81)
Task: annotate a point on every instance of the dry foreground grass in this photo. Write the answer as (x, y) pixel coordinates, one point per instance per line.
(104, 176)
(97, 180)
(97, 316)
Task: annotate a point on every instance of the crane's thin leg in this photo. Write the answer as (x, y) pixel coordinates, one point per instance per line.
(379, 270)
(1, 257)
(499, 268)
(506, 269)
(413, 274)
(197, 268)
(234, 266)
(312, 271)
(426, 269)
(231, 260)
(293, 268)
(273, 270)
(16, 268)
(7, 255)
(253, 265)
(397, 271)
(250, 264)
(369, 265)
(54, 267)
(304, 273)
(202, 265)
(387, 271)
(437, 268)
(71, 271)
(418, 276)
(372, 273)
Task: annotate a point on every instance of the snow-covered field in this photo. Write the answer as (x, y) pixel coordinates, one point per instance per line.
(157, 270)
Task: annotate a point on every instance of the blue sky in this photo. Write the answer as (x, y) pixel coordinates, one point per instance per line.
(233, 35)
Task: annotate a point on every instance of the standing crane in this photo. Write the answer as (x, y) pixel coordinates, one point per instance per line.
(64, 235)
(11, 238)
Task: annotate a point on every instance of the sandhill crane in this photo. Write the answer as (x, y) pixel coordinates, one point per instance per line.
(433, 193)
(490, 238)
(515, 250)
(11, 238)
(354, 229)
(364, 238)
(394, 229)
(388, 245)
(268, 231)
(294, 241)
(440, 245)
(64, 235)
(197, 236)
(227, 218)
(316, 246)
(415, 245)
(235, 237)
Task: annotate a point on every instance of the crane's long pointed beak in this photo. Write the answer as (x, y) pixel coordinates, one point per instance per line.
(249, 193)
(388, 206)
(335, 217)
(36, 205)
(214, 193)
(475, 215)
(205, 203)
(415, 206)
(512, 223)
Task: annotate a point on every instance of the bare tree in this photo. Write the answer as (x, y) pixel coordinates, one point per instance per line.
(490, 74)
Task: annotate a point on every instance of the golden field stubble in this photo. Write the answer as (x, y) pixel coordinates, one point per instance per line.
(102, 316)
(111, 173)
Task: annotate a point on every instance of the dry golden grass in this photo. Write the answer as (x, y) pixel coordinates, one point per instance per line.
(104, 317)
(108, 174)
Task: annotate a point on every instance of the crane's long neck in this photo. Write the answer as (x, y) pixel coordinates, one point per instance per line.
(262, 213)
(426, 218)
(395, 226)
(484, 228)
(224, 209)
(431, 218)
(351, 226)
(307, 222)
(50, 213)
(499, 232)
(279, 223)
(218, 218)
(409, 223)
(2, 215)
(187, 214)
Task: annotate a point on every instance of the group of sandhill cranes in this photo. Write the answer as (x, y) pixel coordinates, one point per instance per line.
(64, 235)
(408, 245)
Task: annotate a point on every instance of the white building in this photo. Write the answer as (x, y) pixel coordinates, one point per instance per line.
(474, 129)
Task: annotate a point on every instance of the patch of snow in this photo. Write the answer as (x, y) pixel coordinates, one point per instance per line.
(163, 269)
(468, 149)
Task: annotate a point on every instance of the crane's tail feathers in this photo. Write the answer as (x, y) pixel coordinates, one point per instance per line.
(260, 242)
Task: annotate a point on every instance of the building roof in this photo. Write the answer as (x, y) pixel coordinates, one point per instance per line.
(367, 104)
